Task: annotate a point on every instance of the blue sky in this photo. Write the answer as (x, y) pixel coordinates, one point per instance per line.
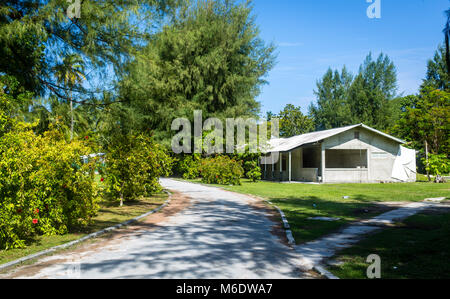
(313, 35)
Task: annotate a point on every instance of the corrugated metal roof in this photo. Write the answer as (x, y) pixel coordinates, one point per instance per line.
(288, 144)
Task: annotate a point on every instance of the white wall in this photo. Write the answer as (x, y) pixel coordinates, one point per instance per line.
(381, 153)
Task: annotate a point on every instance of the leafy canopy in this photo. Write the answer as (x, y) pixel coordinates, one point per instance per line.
(211, 59)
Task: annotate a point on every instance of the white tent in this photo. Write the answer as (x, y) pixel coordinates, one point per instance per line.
(404, 169)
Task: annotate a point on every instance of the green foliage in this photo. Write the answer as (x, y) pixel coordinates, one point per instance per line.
(437, 164)
(45, 189)
(371, 92)
(56, 113)
(447, 40)
(250, 162)
(35, 34)
(426, 119)
(331, 109)
(293, 122)
(134, 164)
(342, 100)
(221, 170)
(437, 76)
(189, 166)
(253, 170)
(210, 58)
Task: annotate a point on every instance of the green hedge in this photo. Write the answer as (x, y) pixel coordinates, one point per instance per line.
(221, 170)
(44, 187)
(134, 165)
(189, 166)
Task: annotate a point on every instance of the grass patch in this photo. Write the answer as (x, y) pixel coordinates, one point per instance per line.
(418, 249)
(109, 214)
(300, 202)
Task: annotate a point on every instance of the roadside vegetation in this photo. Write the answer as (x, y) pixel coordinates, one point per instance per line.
(109, 214)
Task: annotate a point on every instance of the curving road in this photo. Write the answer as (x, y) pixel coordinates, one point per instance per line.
(218, 236)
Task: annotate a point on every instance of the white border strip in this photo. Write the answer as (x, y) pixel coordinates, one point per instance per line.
(287, 227)
(325, 272)
(91, 236)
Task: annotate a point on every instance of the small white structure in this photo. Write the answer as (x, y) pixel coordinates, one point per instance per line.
(353, 154)
(91, 156)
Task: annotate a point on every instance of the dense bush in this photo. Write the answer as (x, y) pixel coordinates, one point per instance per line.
(44, 187)
(438, 165)
(250, 162)
(134, 165)
(189, 166)
(221, 170)
(253, 170)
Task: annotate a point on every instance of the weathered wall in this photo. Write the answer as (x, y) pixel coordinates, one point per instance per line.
(381, 154)
(297, 164)
(380, 157)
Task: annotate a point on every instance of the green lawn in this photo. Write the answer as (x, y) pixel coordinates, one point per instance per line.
(300, 201)
(419, 248)
(109, 214)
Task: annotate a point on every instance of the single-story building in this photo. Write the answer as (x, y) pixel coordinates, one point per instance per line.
(353, 154)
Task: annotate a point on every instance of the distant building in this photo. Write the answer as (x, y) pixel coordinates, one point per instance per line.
(353, 154)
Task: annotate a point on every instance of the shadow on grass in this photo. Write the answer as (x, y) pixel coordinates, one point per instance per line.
(417, 249)
(300, 210)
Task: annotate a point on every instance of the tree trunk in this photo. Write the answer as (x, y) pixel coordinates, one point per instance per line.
(121, 195)
(71, 119)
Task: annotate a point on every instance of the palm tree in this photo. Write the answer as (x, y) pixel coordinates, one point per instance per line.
(70, 73)
(447, 38)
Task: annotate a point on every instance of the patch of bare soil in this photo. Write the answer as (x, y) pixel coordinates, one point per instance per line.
(178, 202)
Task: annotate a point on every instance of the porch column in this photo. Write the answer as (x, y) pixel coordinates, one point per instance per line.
(323, 163)
(290, 167)
(265, 171)
(369, 154)
(273, 168)
(281, 167)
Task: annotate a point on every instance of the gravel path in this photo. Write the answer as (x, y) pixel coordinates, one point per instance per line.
(219, 236)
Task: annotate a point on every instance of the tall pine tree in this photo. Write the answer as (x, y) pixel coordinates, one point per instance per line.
(331, 109)
(210, 58)
(371, 92)
(36, 35)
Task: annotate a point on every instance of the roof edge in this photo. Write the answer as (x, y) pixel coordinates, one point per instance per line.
(343, 129)
(383, 134)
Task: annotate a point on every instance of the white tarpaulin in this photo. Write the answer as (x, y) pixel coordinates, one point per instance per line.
(404, 168)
